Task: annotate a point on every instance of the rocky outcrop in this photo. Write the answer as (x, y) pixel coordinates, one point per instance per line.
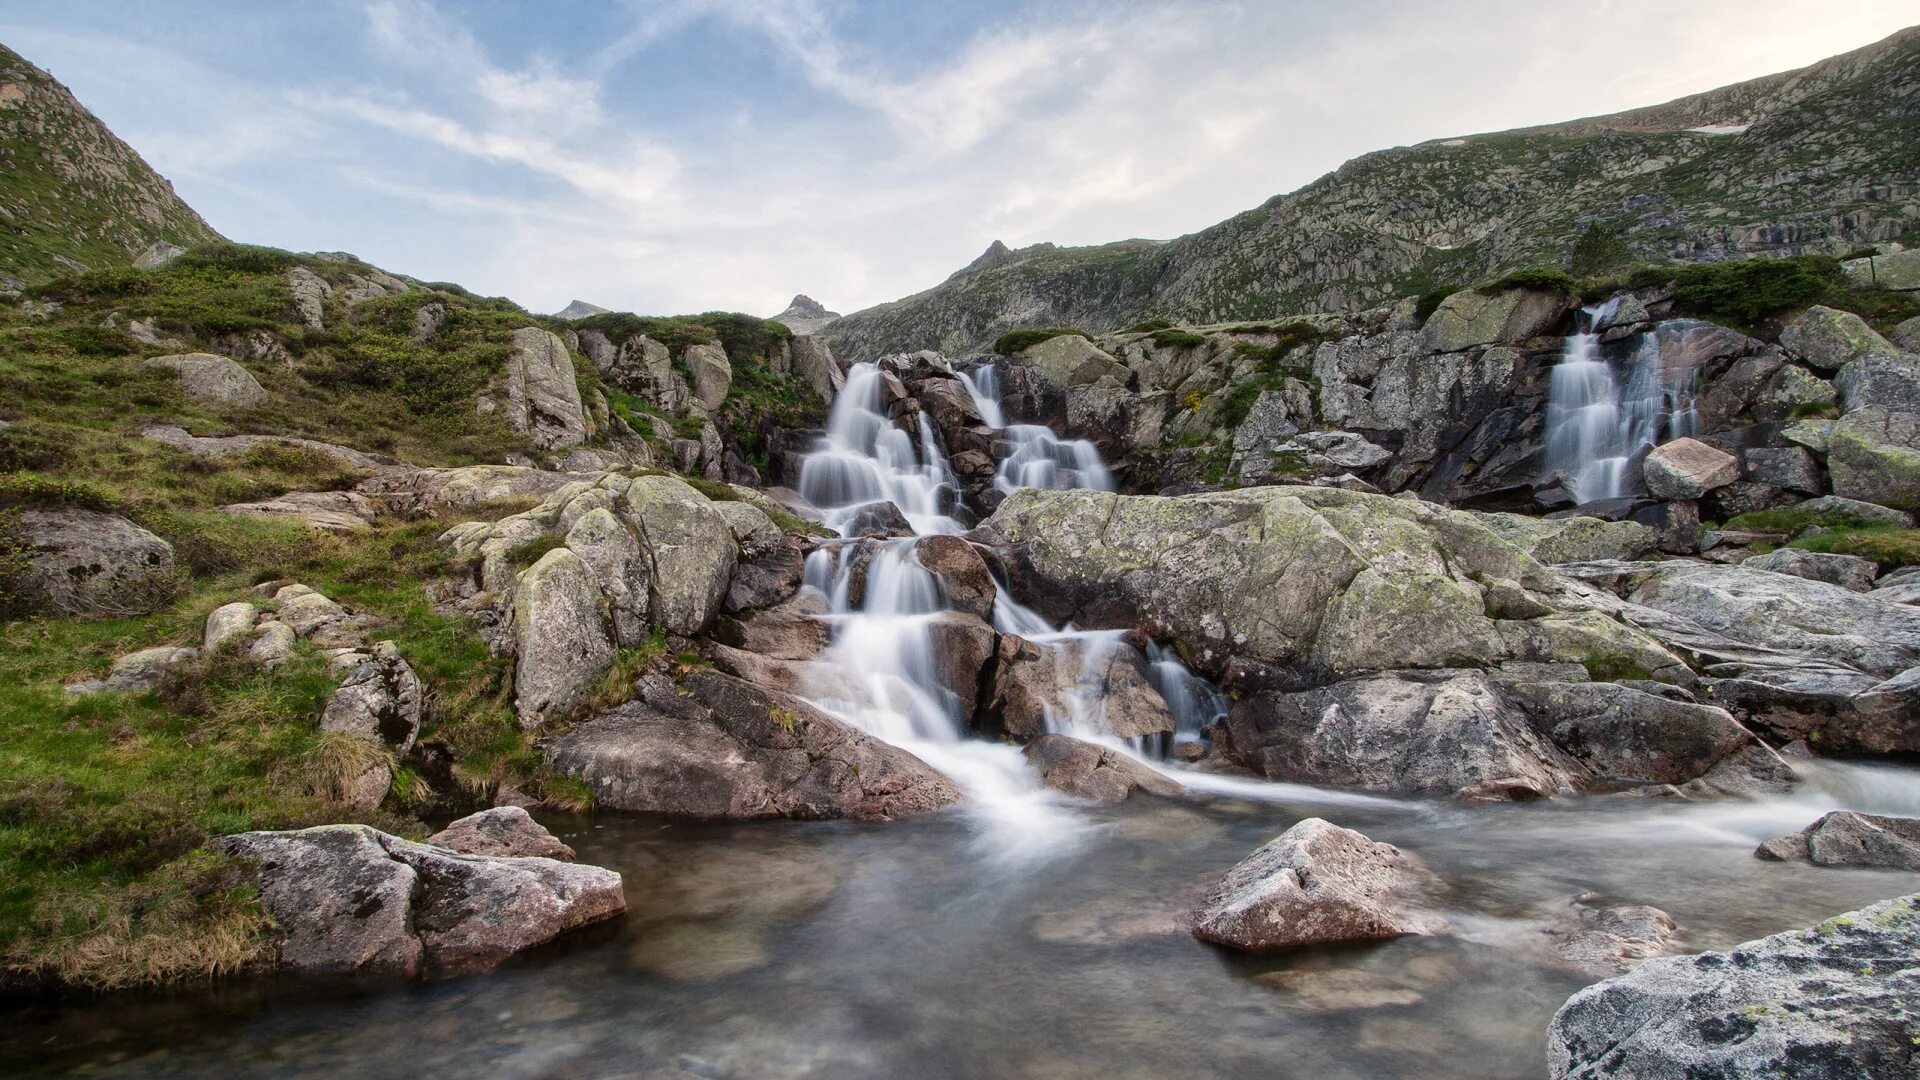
(714, 746)
(381, 701)
(1313, 884)
(229, 445)
(1848, 838)
(543, 398)
(505, 832)
(1097, 773)
(350, 900)
(1850, 572)
(211, 379)
(92, 564)
(310, 295)
(329, 511)
(1835, 1002)
(1100, 682)
(805, 316)
(709, 372)
(562, 644)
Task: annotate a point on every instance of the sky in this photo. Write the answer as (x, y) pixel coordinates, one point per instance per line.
(669, 156)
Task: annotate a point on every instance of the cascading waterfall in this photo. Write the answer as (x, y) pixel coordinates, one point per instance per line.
(1598, 430)
(880, 672)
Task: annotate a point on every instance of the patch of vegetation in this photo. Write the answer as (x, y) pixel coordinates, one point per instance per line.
(1887, 545)
(1793, 519)
(1178, 339)
(525, 555)
(1746, 291)
(1535, 279)
(1149, 326)
(746, 338)
(1600, 250)
(1430, 301)
(1018, 341)
(1614, 667)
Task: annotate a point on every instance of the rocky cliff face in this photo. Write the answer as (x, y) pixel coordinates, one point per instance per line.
(74, 197)
(1819, 160)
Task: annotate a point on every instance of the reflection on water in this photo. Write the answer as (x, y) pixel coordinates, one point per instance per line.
(788, 949)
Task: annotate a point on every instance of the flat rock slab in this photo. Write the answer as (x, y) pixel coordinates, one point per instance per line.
(1839, 1000)
(351, 900)
(1089, 771)
(1846, 838)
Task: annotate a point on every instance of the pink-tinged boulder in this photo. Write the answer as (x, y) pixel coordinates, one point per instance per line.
(1688, 469)
(1317, 883)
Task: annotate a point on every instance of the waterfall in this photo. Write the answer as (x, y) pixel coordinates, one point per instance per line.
(880, 670)
(1597, 429)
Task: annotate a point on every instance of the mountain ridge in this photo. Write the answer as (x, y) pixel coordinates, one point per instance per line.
(1817, 160)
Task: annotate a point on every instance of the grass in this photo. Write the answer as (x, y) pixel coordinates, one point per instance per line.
(1884, 543)
(1178, 339)
(1535, 279)
(1018, 341)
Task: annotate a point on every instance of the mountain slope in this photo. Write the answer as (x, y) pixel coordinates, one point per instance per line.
(1823, 159)
(72, 195)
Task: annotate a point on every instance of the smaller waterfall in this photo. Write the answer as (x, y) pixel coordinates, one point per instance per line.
(1032, 455)
(865, 458)
(984, 387)
(1597, 429)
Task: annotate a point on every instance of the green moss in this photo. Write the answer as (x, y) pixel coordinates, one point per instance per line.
(1887, 545)
(1535, 279)
(1614, 667)
(1019, 341)
(1178, 339)
(1149, 326)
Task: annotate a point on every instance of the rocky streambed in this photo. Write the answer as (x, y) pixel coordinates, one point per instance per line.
(927, 948)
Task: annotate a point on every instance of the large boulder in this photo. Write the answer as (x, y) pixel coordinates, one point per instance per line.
(1099, 682)
(1850, 572)
(1316, 883)
(1786, 612)
(1835, 1002)
(543, 397)
(813, 361)
(622, 568)
(1873, 454)
(1507, 317)
(1847, 838)
(962, 573)
(712, 375)
(1830, 339)
(715, 746)
(211, 379)
(1441, 733)
(1572, 539)
(1687, 469)
(694, 551)
(1069, 360)
(1628, 737)
(351, 900)
(141, 670)
(87, 563)
(310, 295)
(381, 701)
(561, 638)
(1089, 771)
(504, 831)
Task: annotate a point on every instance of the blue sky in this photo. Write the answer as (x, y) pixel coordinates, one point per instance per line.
(683, 155)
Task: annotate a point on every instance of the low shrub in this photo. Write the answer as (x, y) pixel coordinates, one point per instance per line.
(1018, 341)
(1178, 339)
(1536, 279)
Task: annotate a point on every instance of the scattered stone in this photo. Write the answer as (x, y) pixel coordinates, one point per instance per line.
(504, 831)
(1316, 883)
(328, 511)
(1611, 940)
(1089, 771)
(211, 379)
(228, 622)
(1324, 990)
(351, 900)
(138, 671)
(1835, 1002)
(272, 644)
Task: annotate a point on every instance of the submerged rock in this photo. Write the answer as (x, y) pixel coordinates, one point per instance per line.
(1836, 1002)
(1316, 883)
(1848, 838)
(1089, 771)
(1610, 940)
(351, 900)
(715, 746)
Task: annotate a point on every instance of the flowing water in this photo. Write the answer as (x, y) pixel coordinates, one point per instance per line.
(1021, 936)
(1599, 426)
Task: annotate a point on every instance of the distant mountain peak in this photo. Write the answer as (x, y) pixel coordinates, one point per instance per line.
(580, 309)
(805, 315)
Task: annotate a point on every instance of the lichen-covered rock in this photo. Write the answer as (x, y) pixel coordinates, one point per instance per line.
(310, 294)
(621, 566)
(1850, 572)
(1572, 539)
(351, 900)
(1786, 612)
(712, 374)
(432, 491)
(694, 552)
(543, 397)
(92, 564)
(1471, 317)
(211, 379)
(1628, 737)
(316, 617)
(1830, 339)
(1089, 771)
(1313, 884)
(1848, 838)
(272, 644)
(228, 622)
(382, 701)
(962, 573)
(504, 831)
(715, 746)
(561, 640)
(138, 671)
(1874, 455)
(813, 361)
(331, 511)
(1070, 360)
(1687, 469)
(1836, 1002)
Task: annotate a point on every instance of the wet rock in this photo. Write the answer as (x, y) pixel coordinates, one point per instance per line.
(1101, 682)
(1326, 990)
(1850, 572)
(138, 671)
(962, 573)
(795, 629)
(1313, 884)
(90, 564)
(715, 746)
(561, 640)
(211, 379)
(880, 518)
(350, 900)
(1626, 736)
(504, 831)
(1847, 838)
(1840, 1000)
(1611, 940)
(1089, 771)
(543, 397)
(381, 701)
(963, 647)
(1429, 733)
